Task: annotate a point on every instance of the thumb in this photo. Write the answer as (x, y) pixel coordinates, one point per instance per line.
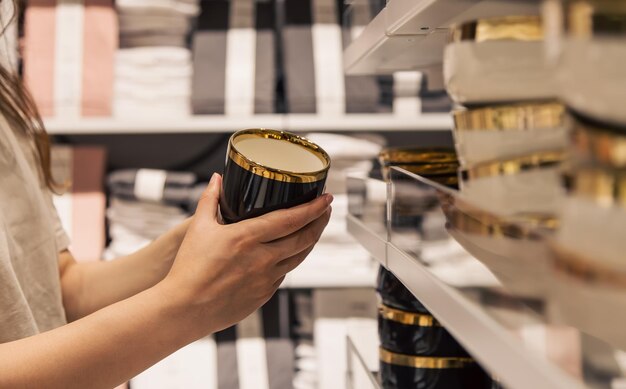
(208, 204)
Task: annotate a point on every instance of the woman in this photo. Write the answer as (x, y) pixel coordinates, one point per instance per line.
(127, 314)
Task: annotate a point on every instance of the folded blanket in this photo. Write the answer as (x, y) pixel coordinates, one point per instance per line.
(152, 185)
(188, 7)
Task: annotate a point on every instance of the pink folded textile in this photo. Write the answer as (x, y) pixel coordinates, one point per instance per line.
(69, 50)
(82, 208)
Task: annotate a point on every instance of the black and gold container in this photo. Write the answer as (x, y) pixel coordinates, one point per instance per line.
(415, 334)
(268, 170)
(437, 164)
(395, 295)
(401, 371)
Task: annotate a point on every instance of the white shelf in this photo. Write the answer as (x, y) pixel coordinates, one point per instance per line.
(493, 345)
(412, 34)
(225, 124)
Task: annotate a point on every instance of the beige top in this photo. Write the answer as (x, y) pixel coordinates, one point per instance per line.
(31, 237)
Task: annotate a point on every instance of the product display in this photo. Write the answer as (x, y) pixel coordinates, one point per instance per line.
(438, 164)
(405, 371)
(592, 44)
(234, 68)
(153, 69)
(498, 60)
(268, 170)
(69, 51)
(415, 334)
(502, 131)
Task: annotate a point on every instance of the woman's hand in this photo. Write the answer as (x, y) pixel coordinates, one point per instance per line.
(228, 271)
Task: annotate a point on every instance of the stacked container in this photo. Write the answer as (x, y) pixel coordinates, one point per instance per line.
(589, 266)
(416, 351)
(510, 136)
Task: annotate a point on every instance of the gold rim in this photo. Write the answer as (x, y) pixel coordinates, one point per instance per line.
(513, 166)
(408, 318)
(277, 174)
(586, 270)
(403, 156)
(519, 227)
(605, 187)
(423, 362)
(515, 117)
(428, 170)
(519, 28)
(588, 18)
(598, 144)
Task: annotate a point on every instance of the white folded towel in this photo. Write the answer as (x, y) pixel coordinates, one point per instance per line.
(186, 7)
(154, 55)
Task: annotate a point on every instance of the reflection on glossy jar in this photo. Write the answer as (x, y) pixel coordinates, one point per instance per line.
(400, 371)
(415, 334)
(394, 294)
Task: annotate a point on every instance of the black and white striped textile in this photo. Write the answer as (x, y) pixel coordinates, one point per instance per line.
(257, 353)
(234, 62)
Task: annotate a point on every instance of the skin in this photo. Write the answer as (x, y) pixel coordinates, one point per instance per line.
(198, 279)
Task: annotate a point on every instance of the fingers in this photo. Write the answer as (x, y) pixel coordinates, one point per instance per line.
(278, 224)
(287, 265)
(300, 240)
(208, 204)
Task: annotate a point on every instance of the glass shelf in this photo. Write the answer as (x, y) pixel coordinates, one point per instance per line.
(487, 278)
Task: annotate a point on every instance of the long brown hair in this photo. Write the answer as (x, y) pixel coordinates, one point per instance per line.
(19, 109)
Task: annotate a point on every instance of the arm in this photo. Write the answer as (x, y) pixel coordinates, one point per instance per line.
(220, 275)
(88, 287)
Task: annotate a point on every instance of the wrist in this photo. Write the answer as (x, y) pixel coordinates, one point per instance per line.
(179, 306)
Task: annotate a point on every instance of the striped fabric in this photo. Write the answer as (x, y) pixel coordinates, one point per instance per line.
(68, 56)
(234, 58)
(313, 42)
(82, 207)
(255, 354)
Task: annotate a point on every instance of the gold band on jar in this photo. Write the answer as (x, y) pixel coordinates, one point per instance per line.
(605, 146)
(514, 166)
(400, 156)
(511, 117)
(589, 271)
(408, 318)
(423, 362)
(588, 18)
(605, 187)
(520, 227)
(277, 174)
(519, 28)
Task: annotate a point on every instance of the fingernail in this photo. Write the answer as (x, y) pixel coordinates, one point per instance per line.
(329, 198)
(212, 180)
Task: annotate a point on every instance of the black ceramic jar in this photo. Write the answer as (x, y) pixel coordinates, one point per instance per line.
(267, 170)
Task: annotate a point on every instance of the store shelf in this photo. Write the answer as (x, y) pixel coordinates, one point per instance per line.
(221, 124)
(411, 34)
(486, 339)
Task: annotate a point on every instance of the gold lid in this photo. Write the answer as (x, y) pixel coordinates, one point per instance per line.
(278, 174)
(408, 318)
(423, 362)
(400, 156)
(530, 116)
(588, 18)
(514, 166)
(604, 146)
(604, 186)
(519, 28)
(585, 269)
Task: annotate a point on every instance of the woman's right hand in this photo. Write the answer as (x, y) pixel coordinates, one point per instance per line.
(225, 272)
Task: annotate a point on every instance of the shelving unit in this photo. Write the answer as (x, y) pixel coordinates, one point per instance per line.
(221, 124)
(411, 34)
(493, 345)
